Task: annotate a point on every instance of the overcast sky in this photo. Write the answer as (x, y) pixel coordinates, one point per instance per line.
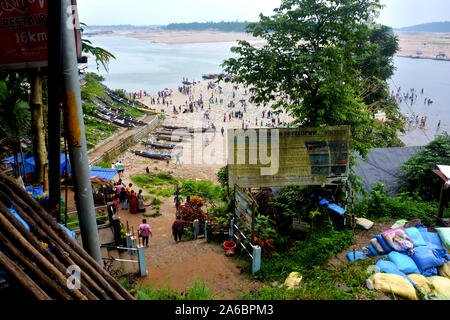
(398, 13)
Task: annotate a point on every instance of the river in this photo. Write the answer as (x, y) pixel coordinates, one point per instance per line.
(145, 65)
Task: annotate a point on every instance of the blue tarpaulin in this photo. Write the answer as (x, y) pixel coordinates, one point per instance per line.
(30, 163)
(331, 206)
(63, 161)
(29, 168)
(104, 174)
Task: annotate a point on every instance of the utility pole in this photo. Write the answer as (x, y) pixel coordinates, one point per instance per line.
(74, 125)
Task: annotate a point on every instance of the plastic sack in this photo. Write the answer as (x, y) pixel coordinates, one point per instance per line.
(422, 283)
(398, 239)
(432, 239)
(392, 283)
(444, 235)
(427, 259)
(444, 271)
(416, 237)
(372, 251)
(391, 268)
(441, 285)
(403, 262)
(383, 243)
(364, 223)
(293, 281)
(359, 255)
(374, 243)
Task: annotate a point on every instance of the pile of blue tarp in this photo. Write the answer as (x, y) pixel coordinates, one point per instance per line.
(424, 256)
(331, 206)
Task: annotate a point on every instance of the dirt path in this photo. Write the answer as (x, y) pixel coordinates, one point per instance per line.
(178, 265)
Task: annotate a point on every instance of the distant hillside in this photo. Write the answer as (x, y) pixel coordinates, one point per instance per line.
(122, 26)
(441, 27)
(220, 26)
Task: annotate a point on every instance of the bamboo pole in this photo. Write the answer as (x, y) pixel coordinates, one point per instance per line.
(65, 251)
(39, 274)
(63, 254)
(49, 225)
(16, 237)
(22, 278)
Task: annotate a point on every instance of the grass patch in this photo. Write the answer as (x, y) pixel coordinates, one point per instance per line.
(324, 283)
(199, 291)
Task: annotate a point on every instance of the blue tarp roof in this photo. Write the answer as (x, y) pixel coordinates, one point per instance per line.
(30, 163)
(105, 174)
(62, 162)
(29, 168)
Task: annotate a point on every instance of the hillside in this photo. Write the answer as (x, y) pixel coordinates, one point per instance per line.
(199, 26)
(441, 27)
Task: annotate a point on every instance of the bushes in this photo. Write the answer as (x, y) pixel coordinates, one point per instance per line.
(306, 254)
(377, 206)
(417, 175)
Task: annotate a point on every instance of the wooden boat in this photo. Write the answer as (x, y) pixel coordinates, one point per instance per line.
(170, 138)
(173, 133)
(159, 145)
(151, 155)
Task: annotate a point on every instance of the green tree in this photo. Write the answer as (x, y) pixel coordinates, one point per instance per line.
(416, 173)
(15, 113)
(312, 66)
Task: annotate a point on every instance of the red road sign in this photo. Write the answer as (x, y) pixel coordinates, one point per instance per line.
(24, 33)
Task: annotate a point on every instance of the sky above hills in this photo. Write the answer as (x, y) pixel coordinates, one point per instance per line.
(397, 13)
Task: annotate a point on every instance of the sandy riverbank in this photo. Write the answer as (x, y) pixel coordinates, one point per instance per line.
(174, 37)
(214, 144)
(430, 44)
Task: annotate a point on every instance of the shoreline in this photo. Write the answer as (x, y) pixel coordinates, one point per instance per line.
(421, 57)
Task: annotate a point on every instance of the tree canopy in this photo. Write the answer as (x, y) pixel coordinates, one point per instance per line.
(326, 64)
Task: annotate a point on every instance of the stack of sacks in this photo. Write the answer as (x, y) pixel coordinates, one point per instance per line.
(417, 256)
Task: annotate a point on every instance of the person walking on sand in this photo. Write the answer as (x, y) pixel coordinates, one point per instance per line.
(222, 130)
(144, 231)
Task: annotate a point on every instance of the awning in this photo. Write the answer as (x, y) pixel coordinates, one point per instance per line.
(104, 174)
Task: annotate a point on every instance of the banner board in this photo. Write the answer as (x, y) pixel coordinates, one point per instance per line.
(284, 157)
(244, 210)
(24, 33)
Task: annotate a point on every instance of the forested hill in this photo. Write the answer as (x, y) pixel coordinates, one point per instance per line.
(220, 26)
(428, 27)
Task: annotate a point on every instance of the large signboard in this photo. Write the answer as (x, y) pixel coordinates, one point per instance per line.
(24, 32)
(283, 157)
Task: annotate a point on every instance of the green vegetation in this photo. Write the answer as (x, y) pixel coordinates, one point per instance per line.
(324, 66)
(199, 291)
(219, 26)
(164, 185)
(417, 175)
(378, 207)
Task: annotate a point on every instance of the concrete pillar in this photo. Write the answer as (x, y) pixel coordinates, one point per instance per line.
(196, 228)
(142, 264)
(232, 229)
(256, 262)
